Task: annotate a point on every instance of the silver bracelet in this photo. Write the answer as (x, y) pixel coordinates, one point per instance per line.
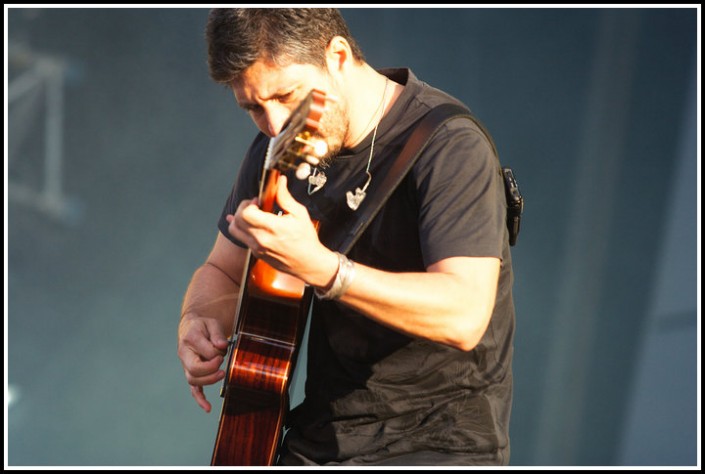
(343, 278)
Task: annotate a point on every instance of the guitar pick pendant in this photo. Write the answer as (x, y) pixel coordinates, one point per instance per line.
(317, 180)
(354, 200)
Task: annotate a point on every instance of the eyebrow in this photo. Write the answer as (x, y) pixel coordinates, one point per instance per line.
(247, 105)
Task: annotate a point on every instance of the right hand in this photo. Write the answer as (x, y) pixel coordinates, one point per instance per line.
(202, 346)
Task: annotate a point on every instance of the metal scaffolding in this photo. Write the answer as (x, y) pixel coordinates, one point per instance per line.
(37, 87)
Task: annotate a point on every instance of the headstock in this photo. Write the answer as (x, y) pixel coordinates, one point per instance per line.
(297, 145)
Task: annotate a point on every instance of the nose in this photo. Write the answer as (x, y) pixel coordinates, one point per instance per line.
(274, 120)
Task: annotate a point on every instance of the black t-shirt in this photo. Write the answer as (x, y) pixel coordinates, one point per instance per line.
(374, 395)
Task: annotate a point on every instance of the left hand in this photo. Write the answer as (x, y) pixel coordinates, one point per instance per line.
(288, 242)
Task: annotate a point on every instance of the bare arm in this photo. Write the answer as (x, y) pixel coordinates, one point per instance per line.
(207, 316)
(450, 303)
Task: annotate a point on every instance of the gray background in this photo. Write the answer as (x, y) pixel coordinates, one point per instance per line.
(595, 109)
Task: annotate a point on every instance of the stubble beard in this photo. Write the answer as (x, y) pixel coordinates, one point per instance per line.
(333, 129)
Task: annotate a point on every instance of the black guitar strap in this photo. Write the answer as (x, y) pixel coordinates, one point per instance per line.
(378, 195)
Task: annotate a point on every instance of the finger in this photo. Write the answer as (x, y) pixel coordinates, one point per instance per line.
(250, 214)
(201, 370)
(286, 201)
(204, 375)
(232, 227)
(249, 202)
(250, 224)
(239, 230)
(216, 336)
(197, 366)
(205, 381)
(200, 397)
(204, 339)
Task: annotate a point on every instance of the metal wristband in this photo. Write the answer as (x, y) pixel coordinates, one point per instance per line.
(341, 282)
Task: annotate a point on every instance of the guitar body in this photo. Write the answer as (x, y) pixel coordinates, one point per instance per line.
(270, 321)
(261, 363)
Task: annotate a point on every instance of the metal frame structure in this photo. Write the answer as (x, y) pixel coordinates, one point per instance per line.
(41, 74)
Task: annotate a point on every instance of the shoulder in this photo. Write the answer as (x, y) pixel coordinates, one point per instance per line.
(459, 145)
(423, 98)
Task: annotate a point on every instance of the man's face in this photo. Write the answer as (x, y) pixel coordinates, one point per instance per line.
(270, 93)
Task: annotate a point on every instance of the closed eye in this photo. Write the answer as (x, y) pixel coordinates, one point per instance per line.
(286, 97)
(248, 106)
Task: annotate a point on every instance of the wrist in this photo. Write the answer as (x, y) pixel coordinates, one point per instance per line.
(341, 280)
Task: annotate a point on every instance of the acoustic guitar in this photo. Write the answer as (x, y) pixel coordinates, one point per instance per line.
(271, 315)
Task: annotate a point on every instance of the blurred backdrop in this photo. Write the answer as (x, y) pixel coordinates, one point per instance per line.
(120, 153)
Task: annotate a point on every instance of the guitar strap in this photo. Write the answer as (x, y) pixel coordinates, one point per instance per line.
(378, 195)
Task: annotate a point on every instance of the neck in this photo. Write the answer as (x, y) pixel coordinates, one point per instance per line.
(374, 94)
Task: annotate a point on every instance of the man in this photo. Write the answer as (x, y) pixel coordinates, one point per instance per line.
(410, 343)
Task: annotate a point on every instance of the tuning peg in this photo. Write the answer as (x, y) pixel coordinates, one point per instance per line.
(319, 147)
(303, 171)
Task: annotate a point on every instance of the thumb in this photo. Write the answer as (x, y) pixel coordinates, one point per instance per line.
(216, 335)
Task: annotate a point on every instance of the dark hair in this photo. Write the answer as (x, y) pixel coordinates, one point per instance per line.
(238, 37)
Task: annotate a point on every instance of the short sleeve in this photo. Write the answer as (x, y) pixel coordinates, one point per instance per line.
(462, 209)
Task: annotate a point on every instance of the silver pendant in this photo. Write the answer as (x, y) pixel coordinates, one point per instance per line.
(317, 180)
(354, 200)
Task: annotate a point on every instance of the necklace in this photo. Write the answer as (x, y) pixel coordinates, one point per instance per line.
(318, 178)
(354, 200)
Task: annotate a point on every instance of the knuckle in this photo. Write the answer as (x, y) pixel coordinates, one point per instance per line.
(190, 379)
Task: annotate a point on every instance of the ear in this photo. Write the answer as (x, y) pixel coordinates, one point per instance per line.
(338, 55)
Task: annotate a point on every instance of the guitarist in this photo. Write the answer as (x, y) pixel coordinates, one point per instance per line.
(411, 338)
